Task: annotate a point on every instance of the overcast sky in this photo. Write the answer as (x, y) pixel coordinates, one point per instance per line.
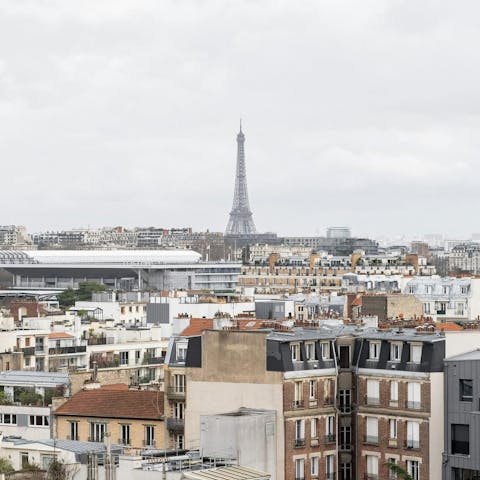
(121, 112)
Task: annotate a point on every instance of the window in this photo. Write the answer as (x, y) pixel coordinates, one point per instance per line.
(38, 421)
(328, 386)
(312, 388)
(179, 383)
(395, 352)
(345, 401)
(73, 431)
(372, 465)
(46, 460)
(314, 428)
(466, 390)
(415, 353)
(298, 395)
(123, 358)
(314, 466)
(460, 439)
(345, 437)
(459, 310)
(392, 423)
(125, 434)
(413, 435)
(8, 419)
(299, 433)
(392, 475)
(179, 410)
(329, 467)
(299, 469)
(24, 459)
(374, 350)
(413, 469)
(310, 351)
(295, 350)
(373, 392)
(372, 430)
(149, 436)
(97, 431)
(330, 428)
(137, 356)
(345, 471)
(344, 356)
(181, 352)
(179, 441)
(413, 392)
(426, 307)
(393, 392)
(325, 347)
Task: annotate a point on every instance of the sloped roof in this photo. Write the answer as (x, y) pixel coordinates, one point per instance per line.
(58, 335)
(115, 403)
(198, 325)
(448, 326)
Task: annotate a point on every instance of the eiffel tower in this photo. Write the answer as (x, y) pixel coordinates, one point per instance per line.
(240, 221)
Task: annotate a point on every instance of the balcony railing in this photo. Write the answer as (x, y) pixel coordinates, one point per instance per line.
(330, 438)
(372, 401)
(297, 404)
(153, 360)
(330, 476)
(69, 437)
(312, 403)
(412, 444)
(328, 401)
(149, 443)
(124, 441)
(413, 405)
(28, 351)
(66, 350)
(299, 442)
(371, 439)
(175, 424)
(176, 392)
(371, 476)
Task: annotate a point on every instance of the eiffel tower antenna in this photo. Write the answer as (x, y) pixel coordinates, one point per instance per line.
(241, 220)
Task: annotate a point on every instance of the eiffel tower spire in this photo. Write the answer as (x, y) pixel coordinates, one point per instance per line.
(240, 221)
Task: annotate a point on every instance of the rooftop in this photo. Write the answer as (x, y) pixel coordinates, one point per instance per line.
(59, 335)
(226, 473)
(473, 355)
(115, 403)
(40, 379)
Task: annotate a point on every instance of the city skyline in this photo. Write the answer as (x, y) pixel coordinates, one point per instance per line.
(355, 120)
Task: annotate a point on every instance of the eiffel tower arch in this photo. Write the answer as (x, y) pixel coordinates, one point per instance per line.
(241, 218)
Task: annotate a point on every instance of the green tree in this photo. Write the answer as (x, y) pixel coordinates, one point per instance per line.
(67, 298)
(4, 400)
(86, 289)
(399, 471)
(6, 465)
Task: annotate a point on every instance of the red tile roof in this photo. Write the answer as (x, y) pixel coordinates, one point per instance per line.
(449, 327)
(198, 325)
(114, 403)
(55, 335)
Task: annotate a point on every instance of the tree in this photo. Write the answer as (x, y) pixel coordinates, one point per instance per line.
(59, 470)
(4, 400)
(67, 298)
(398, 471)
(86, 289)
(6, 465)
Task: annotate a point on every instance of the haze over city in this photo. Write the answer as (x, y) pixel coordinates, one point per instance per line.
(125, 113)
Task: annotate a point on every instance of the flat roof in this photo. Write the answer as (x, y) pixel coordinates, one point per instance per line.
(39, 379)
(226, 473)
(472, 355)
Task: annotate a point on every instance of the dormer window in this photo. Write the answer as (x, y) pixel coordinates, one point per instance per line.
(395, 351)
(295, 351)
(310, 351)
(374, 350)
(325, 346)
(415, 353)
(181, 352)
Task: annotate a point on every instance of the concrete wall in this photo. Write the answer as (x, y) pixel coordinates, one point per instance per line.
(436, 424)
(234, 375)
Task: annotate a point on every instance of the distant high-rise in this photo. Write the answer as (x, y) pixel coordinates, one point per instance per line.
(241, 220)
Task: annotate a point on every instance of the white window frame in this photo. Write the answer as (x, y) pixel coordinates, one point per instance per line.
(295, 351)
(310, 351)
(394, 390)
(314, 466)
(413, 469)
(414, 395)
(392, 429)
(416, 353)
(300, 468)
(314, 427)
(312, 389)
(372, 465)
(374, 350)
(396, 351)
(325, 348)
(373, 391)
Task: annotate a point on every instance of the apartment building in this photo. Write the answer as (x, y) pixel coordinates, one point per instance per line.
(447, 298)
(132, 418)
(465, 257)
(461, 458)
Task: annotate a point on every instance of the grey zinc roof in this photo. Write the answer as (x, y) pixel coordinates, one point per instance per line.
(41, 379)
(472, 355)
(226, 473)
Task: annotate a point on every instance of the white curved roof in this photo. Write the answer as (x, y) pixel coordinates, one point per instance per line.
(112, 256)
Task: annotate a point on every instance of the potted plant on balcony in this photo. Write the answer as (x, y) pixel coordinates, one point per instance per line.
(398, 471)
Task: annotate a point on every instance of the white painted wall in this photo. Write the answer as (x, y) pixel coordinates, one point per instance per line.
(436, 424)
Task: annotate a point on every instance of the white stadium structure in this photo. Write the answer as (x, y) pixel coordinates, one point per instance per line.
(120, 269)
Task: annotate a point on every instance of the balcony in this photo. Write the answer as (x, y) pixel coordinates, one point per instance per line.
(124, 441)
(413, 405)
(297, 404)
(69, 437)
(413, 444)
(149, 443)
(392, 442)
(371, 476)
(153, 360)
(330, 438)
(67, 350)
(28, 351)
(175, 424)
(371, 439)
(299, 442)
(327, 401)
(176, 393)
(372, 401)
(314, 442)
(312, 403)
